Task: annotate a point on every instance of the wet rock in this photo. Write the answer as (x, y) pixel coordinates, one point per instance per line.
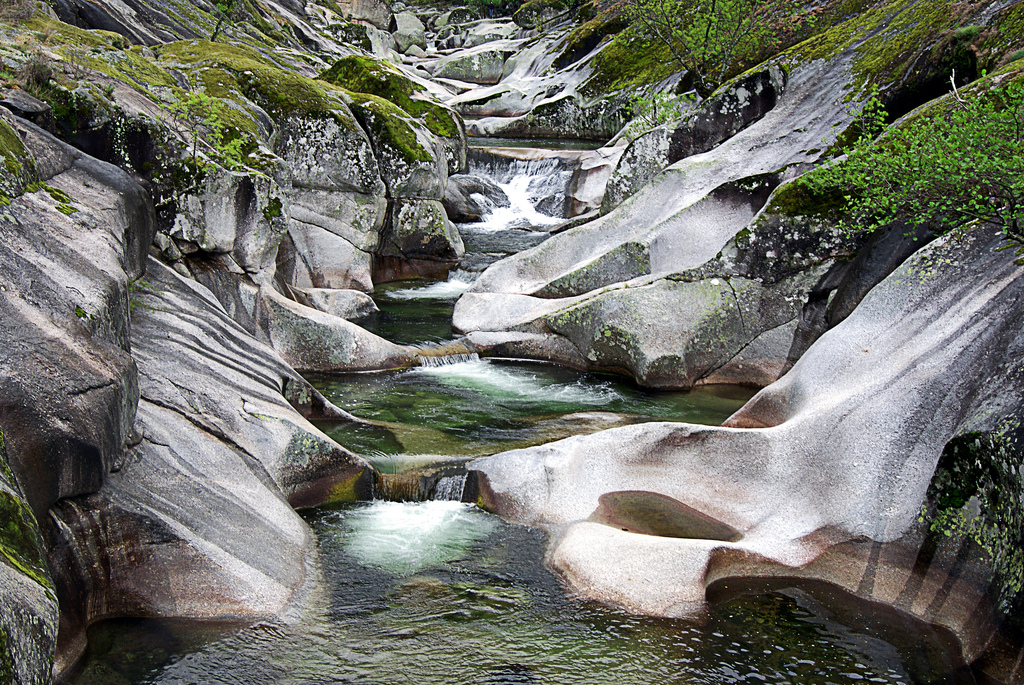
(839, 451)
(649, 513)
(467, 198)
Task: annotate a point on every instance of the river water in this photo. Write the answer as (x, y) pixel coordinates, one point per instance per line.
(442, 592)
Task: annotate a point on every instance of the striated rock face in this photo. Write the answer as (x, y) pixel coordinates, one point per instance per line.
(28, 623)
(717, 119)
(141, 422)
(824, 473)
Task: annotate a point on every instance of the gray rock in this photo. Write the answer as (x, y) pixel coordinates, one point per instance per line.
(730, 110)
(28, 623)
(376, 12)
(408, 31)
(243, 214)
(839, 450)
(412, 161)
(480, 65)
(666, 334)
(467, 198)
(310, 340)
(67, 255)
(346, 304)
(421, 230)
(330, 153)
(488, 32)
(315, 258)
(23, 105)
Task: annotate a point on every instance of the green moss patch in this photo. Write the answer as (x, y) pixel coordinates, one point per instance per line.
(390, 127)
(282, 93)
(368, 76)
(20, 545)
(14, 155)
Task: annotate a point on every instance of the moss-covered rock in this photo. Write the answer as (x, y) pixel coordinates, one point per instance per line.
(533, 13)
(360, 74)
(279, 91)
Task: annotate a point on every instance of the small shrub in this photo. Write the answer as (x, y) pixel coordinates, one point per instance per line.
(34, 76)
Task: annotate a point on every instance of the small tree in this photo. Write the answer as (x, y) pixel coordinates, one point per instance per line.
(708, 37)
(959, 162)
(225, 14)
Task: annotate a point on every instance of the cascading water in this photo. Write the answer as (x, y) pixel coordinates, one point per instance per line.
(450, 488)
(439, 591)
(530, 185)
(535, 190)
(448, 360)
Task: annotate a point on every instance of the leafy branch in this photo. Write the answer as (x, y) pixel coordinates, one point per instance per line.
(942, 168)
(707, 38)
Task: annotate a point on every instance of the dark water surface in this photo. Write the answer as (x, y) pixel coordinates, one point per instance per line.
(440, 592)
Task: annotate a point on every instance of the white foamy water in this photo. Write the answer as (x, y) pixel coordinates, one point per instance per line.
(498, 383)
(525, 183)
(405, 538)
(458, 282)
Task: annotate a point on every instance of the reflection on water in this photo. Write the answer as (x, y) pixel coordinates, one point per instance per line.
(478, 608)
(486, 406)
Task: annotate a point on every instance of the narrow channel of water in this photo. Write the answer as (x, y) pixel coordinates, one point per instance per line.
(440, 592)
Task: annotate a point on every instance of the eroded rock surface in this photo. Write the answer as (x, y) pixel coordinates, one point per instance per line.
(839, 451)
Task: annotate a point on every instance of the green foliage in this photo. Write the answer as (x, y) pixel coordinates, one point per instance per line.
(15, 11)
(652, 110)
(200, 118)
(960, 161)
(977, 494)
(225, 13)
(35, 75)
(707, 38)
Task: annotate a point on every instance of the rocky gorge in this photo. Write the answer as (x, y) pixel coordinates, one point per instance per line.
(192, 226)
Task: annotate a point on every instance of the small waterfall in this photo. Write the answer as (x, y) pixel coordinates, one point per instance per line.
(448, 360)
(443, 483)
(450, 488)
(536, 188)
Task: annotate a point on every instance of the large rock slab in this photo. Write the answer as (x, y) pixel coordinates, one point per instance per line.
(67, 255)
(723, 115)
(666, 334)
(219, 458)
(828, 474)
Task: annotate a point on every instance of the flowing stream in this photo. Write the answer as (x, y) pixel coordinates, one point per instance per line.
(441, 592)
